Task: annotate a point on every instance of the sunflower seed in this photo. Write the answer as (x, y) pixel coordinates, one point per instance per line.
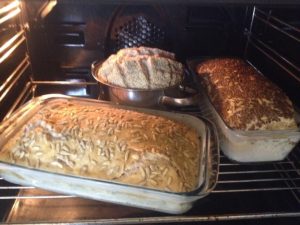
(38, 163)
(148, 171)
(157, 129)
(133, 131)
(115, 138)
(22, 154)
(123, 148)
(165, 172)
(153, 182)
(11, 155)
(99, 151)
(152, 168)
(106, 163)
(57, 164)
(180, 186)
(106, 153)
(38, 153)
(110, 171)
(84, 169)
(187, 155)
(122, 169)
(184, 175)
(154, 136)
(127, 155)
(188, 185)
(35, 148)
(70, 163)
(185, 165)
(65, 148)
(135, 156)
(143, 173)
(146, 137)
(118, 148)
(136, 140)
(110, 131)
(153, 175)
(103, 144)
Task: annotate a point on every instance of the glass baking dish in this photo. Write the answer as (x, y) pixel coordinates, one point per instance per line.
(105, 190)
(245, 146)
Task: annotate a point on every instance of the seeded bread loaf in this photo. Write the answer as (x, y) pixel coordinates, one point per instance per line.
(141, 68)
(108, 143)
(245, 99)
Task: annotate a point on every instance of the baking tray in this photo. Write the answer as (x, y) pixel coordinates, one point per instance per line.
(245, 146)
(104, 190)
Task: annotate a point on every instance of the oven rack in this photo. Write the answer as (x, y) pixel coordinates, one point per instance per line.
(241, 181)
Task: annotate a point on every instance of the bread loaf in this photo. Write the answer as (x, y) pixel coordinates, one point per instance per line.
(107, 143)
(245, 99)
(141, 68)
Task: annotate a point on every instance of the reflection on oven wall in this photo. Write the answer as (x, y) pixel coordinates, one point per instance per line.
(44, 43)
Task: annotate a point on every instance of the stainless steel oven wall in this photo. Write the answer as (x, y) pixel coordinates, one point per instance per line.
(14, 60)
(15, 73)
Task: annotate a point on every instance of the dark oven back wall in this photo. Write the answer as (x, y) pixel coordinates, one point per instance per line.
(64, 44)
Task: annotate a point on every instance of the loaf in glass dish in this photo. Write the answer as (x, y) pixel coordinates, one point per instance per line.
(255, 118)
(151, 159)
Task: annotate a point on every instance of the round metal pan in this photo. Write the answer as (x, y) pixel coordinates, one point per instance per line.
(144, 98)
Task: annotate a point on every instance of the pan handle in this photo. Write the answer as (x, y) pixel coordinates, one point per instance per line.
(94, 67)
(179, 102)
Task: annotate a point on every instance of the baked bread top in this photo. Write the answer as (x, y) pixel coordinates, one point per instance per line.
(141, 68)
(244, 98)
(107, 143)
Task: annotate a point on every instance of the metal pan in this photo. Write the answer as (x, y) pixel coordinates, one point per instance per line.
(144, 98)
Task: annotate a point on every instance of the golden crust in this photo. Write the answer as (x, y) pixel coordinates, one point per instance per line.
(245, 99)
(108, 144)
(141, 68)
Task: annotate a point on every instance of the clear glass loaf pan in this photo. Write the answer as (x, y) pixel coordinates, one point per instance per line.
(104, 190)
(246, 146)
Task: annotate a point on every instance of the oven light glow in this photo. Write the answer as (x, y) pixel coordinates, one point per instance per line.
(10, 15)
(9, 7)
(8, 53)
(48, 8)
(10, 41)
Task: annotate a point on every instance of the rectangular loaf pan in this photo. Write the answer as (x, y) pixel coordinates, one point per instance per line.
(245, 146)
(164, 201)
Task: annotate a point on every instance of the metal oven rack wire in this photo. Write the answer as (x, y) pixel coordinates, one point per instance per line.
(245, 191)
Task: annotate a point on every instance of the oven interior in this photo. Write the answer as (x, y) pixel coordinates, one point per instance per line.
(48, 47)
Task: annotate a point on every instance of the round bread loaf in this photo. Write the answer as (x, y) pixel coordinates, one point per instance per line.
(141, 68)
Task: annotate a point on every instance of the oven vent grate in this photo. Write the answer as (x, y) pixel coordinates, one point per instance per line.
(138, 31)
